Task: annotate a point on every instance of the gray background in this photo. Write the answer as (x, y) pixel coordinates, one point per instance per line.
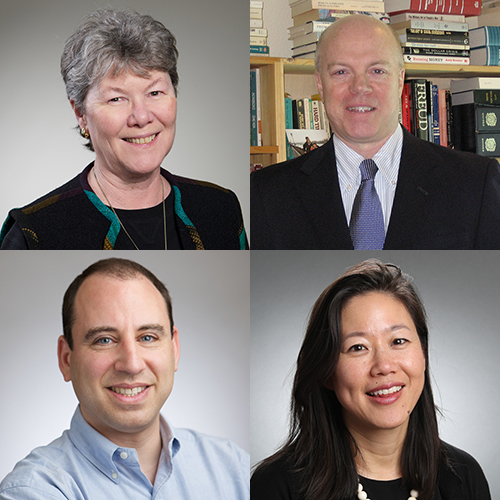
(210, 294)
(41, 150)
(461, 292)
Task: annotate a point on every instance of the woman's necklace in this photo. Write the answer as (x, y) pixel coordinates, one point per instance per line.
(122, 226)
(363, 496)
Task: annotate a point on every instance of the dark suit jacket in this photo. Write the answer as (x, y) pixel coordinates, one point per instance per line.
(445, 199)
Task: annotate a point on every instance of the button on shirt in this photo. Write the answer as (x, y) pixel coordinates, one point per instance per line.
(387, 159)
(83, 465)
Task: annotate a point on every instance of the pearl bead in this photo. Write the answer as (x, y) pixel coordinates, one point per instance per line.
(362, 495)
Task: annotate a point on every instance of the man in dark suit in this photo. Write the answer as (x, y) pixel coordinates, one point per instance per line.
(373, 185)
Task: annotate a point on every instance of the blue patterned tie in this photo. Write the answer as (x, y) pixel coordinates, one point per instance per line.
(367, 220)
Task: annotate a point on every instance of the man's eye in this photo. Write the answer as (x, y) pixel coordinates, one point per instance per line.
(147, 338)
(103, 341)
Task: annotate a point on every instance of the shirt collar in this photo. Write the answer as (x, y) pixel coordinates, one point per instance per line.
(100, 451)
(387, 158)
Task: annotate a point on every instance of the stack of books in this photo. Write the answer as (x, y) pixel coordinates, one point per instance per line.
(476, 115)
(312, 17)
(485, 46)
(433, 41)
(435, 31)
(258, 34)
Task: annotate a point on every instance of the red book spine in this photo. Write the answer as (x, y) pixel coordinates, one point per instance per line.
(458, 7)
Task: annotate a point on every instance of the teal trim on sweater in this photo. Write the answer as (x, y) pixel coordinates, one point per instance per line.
(178, 207)
(243, 240)
(114, 229)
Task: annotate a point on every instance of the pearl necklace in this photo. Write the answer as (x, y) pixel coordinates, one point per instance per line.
(363, 496)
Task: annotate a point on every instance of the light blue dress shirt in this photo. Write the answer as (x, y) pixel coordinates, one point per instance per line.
(83, 465)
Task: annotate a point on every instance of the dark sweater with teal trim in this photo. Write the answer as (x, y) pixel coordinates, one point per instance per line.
(207, 217)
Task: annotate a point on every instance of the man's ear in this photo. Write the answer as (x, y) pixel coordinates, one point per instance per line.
(319, 84)
(64, 357)
(175, 342)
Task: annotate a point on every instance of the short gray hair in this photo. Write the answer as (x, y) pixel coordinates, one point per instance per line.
(112, 40)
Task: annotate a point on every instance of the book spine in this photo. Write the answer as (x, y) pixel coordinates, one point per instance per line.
(435, 114)
(405, 108)
(419, 92)
(449, 119)
(487, 118)
(255, 13)
(259, 111)
(459, 7)
(288, 113)
(253, 109)
(316, 115)
(459, 35)
(443, 132)
(364, 6)
(301, 117)
(431, 25)
(428, 45)
(407, 16)
(492, 35)
(488, 144)
(436, 52)
(492, 55)
(437, 36)
(487, 96)
(258, 40)
(258, 32)
(259, 49)
(409, 58)
(330, 15)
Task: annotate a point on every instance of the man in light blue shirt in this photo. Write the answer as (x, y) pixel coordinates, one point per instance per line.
(120, 350)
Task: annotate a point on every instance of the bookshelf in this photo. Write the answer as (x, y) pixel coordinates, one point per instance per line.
(277, 74)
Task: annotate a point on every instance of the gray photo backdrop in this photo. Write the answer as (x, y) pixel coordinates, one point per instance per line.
(461, 292)
(42, 150)
(210, 296)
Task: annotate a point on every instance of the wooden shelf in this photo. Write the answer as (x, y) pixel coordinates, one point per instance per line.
(274, 69)
(262, 150)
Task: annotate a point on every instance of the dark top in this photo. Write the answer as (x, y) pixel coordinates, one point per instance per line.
(72, 217)
(444, 200)
(461, 479)
(145, 227)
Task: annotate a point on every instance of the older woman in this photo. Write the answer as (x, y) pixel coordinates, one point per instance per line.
(120, 71)
(363, 416)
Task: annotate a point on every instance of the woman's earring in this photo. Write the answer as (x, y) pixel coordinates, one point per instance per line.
(84, 133)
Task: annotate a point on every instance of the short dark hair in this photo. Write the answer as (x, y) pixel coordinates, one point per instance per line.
(319, 445)
(122, 269)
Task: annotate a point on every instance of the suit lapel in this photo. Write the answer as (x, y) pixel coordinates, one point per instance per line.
(320, 196)
(414, 195)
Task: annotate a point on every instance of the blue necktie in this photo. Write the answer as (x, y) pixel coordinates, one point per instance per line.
(367, 220)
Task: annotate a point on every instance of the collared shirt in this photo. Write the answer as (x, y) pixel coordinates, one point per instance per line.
(387, 159)
(83, 465)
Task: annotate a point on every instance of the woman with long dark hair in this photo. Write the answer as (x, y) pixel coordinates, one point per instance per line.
(363, 423)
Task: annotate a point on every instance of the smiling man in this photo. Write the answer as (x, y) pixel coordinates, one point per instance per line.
(374, 185)
(120, 350)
